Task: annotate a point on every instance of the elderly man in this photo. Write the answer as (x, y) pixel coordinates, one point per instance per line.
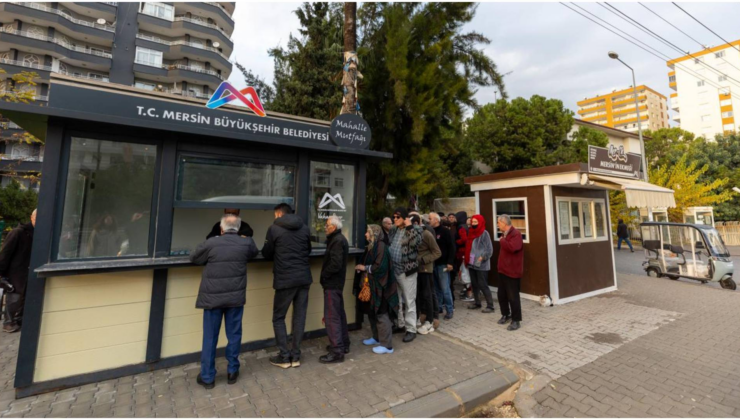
(288, 244)
(333, 274)
(443, 264)
(510, 269)
(387, 224)
(244, 228)
(15, 260)
(222, 294)
(404, 247)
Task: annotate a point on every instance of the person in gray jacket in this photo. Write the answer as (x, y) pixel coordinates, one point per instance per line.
(478, 252)
(223, 294)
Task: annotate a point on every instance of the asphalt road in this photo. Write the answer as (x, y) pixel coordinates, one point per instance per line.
(631, 263)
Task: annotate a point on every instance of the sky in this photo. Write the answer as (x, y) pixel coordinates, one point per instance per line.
(550, 50)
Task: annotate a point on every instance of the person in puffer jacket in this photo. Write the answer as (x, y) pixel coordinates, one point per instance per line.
(222, 294)
(288, 245)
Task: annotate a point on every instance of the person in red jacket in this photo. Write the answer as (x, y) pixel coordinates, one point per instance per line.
(510, 269)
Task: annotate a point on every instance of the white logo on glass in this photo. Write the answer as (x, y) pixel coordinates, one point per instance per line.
(328, 198)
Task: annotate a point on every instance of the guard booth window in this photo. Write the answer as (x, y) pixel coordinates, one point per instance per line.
(107, 200)
(206, 185)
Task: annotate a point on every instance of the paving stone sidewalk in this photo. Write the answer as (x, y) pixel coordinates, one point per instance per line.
(365, 384)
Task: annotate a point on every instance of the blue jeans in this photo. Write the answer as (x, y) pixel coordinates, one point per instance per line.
(619, 243)
(442, 288)
(211, 330)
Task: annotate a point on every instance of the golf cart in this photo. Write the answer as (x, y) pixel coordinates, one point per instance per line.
(695, 252)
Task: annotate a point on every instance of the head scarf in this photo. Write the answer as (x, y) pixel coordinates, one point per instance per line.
(474, 232)
(383, 286)
(377, 235)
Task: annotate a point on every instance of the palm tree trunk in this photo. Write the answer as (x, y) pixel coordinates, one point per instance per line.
(350, 73)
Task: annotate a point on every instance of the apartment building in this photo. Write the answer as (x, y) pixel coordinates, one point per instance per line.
(178, 48)
(617, 109)
(706, 86)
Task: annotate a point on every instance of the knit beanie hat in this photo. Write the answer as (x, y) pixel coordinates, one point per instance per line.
(402, 211)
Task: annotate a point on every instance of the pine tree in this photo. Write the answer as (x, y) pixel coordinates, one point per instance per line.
(264, 90)
(308, 72)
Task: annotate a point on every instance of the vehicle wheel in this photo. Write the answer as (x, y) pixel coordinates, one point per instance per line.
(728, 284)
(672, 277)
(653, 272)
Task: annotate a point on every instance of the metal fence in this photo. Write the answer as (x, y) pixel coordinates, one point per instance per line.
(730, 232)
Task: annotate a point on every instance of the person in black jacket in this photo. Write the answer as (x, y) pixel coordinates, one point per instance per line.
(288, 245)
(15, 260)
(244, 228)
(333, 275)
(624, 235)
(223, 294)
(444, 264)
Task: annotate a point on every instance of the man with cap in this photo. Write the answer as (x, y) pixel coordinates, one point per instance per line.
(405, 239)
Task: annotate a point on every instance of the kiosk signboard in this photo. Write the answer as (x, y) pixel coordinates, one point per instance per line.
(613, 161)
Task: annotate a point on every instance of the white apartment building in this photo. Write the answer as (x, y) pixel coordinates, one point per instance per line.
(705, 98)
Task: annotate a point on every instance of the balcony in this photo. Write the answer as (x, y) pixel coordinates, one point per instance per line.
(64, 23)
(215, 11)
(12, 67)
(182, 25)
(105, 79)
(105, 10)
(675, 104)
(174, 50)
(60, 48)
(676, 117)
(177, 73)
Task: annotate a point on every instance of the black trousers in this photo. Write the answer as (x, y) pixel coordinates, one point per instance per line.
(424, 292)
(298, 296)
(336, 320)
(508, 297)
(14, 308)
(479, 281)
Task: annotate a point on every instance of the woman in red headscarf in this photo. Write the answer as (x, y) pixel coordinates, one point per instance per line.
(478, 252)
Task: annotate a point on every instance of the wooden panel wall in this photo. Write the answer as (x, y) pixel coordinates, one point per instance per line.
(93, 322)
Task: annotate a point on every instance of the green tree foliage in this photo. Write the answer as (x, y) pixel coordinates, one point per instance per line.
(23, 91)
(689, 190)
(662, 144)
(308, 72)
(264, 90)
(576, 150)
(420, 71)
(16, 204)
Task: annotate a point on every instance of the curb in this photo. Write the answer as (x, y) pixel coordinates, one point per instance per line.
(524, 400)
(457, 400)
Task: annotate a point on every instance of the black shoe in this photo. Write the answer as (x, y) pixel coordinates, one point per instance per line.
(488, 310)
(513, 326)
(11, 328)
(199, 380)
(280, 361)
(232, 377)
(632, 250)
(474, 306)
(330, 349)
(409, 337)
(504, 319)
(448, 317)
(397, 330)
(332, 358)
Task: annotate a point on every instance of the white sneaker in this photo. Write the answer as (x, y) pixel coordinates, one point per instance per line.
(418, 324)
(425, 329)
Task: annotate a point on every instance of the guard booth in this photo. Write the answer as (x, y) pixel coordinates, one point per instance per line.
(132, 181)
(563, 215)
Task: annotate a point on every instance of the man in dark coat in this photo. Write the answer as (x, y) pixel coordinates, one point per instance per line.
(15, 260)
(333, 274)
(223, 294)
(288, 245)
(624, 235)
(244, 228)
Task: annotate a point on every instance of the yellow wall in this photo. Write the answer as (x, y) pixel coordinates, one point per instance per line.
(183, 323)
(93, 322)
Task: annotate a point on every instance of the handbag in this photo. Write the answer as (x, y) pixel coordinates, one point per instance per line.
(364, 294)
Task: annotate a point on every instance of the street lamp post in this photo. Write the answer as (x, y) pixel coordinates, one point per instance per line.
(615, 56)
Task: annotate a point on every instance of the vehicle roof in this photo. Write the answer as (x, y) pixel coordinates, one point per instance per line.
(676, 224)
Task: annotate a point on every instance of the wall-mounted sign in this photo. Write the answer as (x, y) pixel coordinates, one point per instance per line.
(349, 130)
(247, 95)
(613, 161)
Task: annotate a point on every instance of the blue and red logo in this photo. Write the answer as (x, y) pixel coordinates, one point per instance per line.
(247, 95)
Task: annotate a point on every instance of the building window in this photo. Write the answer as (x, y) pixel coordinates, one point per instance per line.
(722, 78)
(719, 54)
(107, 200)
(705, 118)
(145, 86)
(148, 57)
(338, 182)
(671, 79)
(516, 208)
(581, 220)
(327, 199)
(728, 127)
(31, 60)
(727, 114)
(160, 10)
(700, 83)
(725, 102)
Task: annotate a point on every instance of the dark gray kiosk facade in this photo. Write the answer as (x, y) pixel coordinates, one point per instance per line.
(132, 182)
